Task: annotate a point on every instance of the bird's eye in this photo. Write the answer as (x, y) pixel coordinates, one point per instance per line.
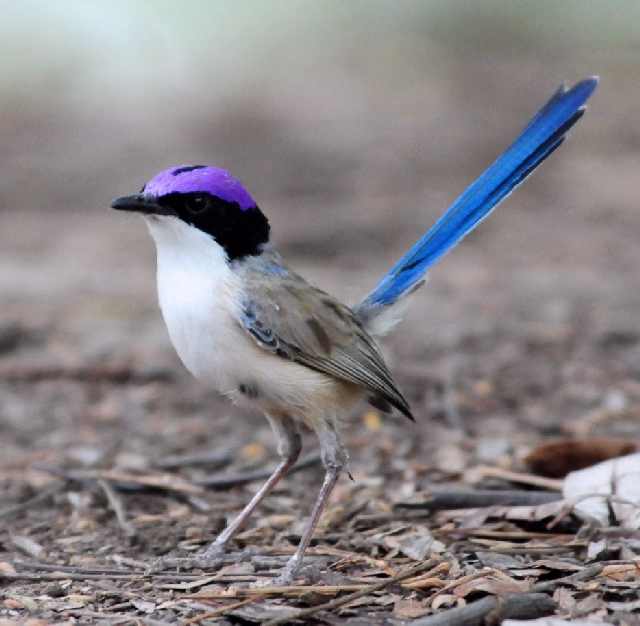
(197, 203)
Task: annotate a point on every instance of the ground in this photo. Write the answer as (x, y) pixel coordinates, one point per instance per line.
(528, 332)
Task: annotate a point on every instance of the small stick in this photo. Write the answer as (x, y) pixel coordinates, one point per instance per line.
(61, 575)
(114, 374)
(534, 549)
(116, 618)
(120, 479)
(459, 581)
(115, 502)
(441, 499)
(301, 590)
(53, 571)
(218, 612)
(277, 590)
(215, 459)
(501, 535)
(54, 567)
(518, 606)
(552, 484)
(338, 602)
(587, 573)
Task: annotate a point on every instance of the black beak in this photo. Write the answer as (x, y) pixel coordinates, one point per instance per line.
(139, 204)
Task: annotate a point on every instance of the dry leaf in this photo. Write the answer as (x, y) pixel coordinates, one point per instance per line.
(557, 564)
(445, 600)
(475, 518)
(496, 583)
(590, 604)
(144, 605)
(409, 608)
(417, 545)
(564, 598)
(498, 561)
(622, 571)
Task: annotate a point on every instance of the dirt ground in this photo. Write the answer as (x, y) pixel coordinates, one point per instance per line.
(528, 332)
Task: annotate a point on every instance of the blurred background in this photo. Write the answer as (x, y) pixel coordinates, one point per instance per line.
(354, 125)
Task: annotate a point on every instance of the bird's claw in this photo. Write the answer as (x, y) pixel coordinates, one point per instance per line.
(286, 577)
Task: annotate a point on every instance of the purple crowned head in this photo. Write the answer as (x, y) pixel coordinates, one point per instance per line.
(207, 198)
(199, 179)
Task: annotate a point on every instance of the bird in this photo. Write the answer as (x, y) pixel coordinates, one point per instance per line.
(246, 324)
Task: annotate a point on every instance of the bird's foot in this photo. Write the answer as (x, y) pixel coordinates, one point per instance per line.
(211, 558)
(286, 577)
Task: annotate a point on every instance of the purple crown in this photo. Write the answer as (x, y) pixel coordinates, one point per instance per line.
(199, 178)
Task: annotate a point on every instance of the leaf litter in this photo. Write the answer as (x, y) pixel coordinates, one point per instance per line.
(110, 462)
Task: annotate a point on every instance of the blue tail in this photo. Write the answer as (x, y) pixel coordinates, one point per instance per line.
(544, 133)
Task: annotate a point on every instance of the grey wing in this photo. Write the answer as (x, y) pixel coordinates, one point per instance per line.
(289, 317)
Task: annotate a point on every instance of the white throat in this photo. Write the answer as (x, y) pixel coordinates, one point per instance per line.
(198, 294)
(178, 243)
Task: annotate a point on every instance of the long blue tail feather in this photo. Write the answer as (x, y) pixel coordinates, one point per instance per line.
(542, 135)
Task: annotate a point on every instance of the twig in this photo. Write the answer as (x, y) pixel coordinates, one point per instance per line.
(39, 577)
(375, 520)
(443, 499)
(485, 471)
(294, 591)
(222, 481)
(107, 571)
(459, 581)
(54, 567)
(123, 480)
(277, 590)
(229, 558)
(501, 535)
(218, 612)
(338, 602)
(525, 549)
(115, 374)
(52, 571)
(61, 575)
(518, 606)
(116, 618)
(44, 495)
(215, 459)
(115, 502)
(587, 573)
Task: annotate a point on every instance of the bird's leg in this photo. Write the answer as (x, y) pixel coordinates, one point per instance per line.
(289, 447)
(334, 459)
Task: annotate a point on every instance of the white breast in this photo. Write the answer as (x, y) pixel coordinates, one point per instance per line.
(197, 293)
(199, 297)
